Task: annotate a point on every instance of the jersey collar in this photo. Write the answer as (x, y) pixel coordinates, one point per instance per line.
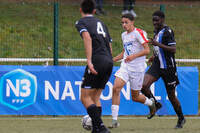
(89, 15)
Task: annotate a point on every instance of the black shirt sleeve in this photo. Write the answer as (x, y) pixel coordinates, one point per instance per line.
(81, 27)
(168, 38)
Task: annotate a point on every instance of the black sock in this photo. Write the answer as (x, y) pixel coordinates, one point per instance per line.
(100, 113)
(99, 110)
(93, 112)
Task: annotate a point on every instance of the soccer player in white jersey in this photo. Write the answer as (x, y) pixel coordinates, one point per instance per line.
(132, 69)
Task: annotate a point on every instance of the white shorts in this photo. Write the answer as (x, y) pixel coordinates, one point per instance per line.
(135, 78)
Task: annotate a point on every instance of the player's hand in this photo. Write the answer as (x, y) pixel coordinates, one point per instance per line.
(153, 42)
(129, 58)
(114, 59)
(91, 68)
(150, 59)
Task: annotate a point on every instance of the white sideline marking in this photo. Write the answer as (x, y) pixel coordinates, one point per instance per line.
(107, 118)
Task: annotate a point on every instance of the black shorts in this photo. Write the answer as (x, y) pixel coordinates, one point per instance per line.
(168, 75)
(104, 69)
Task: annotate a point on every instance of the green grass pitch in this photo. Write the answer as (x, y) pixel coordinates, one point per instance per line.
(68, 124)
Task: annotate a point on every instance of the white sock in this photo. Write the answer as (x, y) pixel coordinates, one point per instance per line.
(148, 102)
(115, 110)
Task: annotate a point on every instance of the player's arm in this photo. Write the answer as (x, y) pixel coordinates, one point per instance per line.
(110, 44)
(110, 39)
(151, 59)
(141, 53)
(119, 56)
(171, 48)
(88, 51)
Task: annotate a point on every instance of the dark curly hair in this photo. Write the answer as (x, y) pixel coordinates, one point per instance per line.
(159, 14)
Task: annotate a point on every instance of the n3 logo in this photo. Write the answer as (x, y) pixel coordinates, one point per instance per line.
(18, 89)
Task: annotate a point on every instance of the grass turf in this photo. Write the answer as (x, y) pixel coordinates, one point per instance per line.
(73, 125)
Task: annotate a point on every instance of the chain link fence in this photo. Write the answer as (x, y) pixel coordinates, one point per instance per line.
(27, 30)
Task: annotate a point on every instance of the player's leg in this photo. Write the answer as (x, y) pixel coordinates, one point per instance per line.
(148, 81)
(88, 92)
(177, 106)
(89, 103)
(120, 80)
(86, 98)
(136, 81)
(91, 100)
(87, 89)
(131, 7)
(101, 7)
(152, 75)
(138, 97)
(171, 81)
(96, 98)
(97, 7)
(118, 85)
(104, 71)
(125, 7)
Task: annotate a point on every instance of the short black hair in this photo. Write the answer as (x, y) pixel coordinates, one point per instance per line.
(159, 14)
(88, 6)
(129, 16)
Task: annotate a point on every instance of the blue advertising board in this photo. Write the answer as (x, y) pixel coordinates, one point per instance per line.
(55, 90)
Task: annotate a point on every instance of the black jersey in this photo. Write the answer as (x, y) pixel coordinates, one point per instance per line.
(166, 58)
(99, 35)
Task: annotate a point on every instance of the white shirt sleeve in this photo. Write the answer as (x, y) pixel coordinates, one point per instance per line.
(142, 36)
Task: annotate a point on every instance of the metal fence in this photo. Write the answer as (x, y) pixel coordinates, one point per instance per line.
(27, 30)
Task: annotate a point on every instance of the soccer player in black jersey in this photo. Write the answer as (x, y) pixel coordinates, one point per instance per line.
(163, 65)
(97, 44)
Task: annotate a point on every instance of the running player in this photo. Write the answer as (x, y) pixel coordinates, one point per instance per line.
(163, 64)
(132, 67)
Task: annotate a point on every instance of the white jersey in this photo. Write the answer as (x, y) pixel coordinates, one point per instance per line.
(132, 43)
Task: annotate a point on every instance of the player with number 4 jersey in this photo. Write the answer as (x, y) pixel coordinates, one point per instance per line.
(101, 48)
(97, 43)
(99, 35)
